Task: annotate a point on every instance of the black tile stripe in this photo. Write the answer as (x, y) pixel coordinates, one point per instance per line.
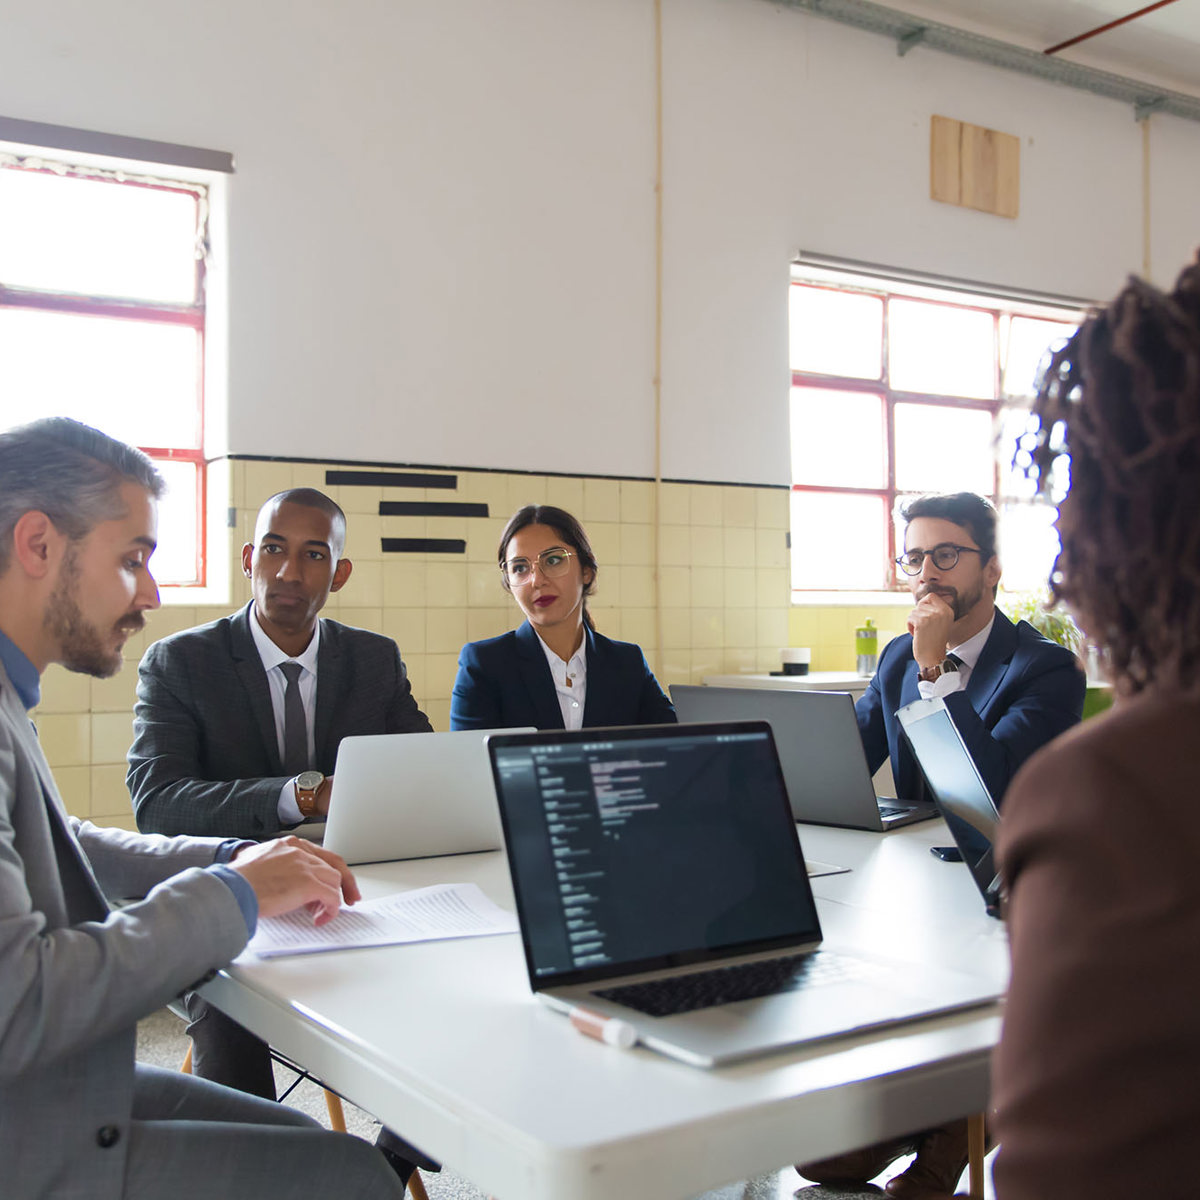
(424, 545)
(430, 508)
(389, 479)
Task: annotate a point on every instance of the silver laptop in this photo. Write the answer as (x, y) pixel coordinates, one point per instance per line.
(820, 749)
(954, 782)
(412, 795)
(659, 879)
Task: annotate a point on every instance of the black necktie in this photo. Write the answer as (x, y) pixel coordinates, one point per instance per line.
(295, 728)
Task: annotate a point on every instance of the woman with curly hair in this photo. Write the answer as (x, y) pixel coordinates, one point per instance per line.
(1095, 1079)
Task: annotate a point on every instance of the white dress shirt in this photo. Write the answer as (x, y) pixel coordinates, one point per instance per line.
(272, 659)
(968, 655)
(570, 682)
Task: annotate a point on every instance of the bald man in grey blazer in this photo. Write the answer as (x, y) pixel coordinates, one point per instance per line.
(78, 1116)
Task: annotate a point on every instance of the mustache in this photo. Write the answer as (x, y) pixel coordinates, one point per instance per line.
(133, 622)
(932, 589)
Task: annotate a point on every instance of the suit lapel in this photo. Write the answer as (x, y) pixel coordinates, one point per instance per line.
(601, 683)
(329, 678)
(62, 836)
(253, 679)
(537, 680)
(909, 691)
(993, 663)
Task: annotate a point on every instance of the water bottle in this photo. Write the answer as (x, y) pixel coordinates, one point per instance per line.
(866, 648)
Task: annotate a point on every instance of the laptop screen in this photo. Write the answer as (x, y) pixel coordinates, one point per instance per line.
(961, 795)
(642, 848)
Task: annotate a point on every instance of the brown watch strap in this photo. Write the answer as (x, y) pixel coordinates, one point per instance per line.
(306, 801)
(929, 674)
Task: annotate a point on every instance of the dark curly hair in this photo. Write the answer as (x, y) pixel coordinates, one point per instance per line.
(1122, 400)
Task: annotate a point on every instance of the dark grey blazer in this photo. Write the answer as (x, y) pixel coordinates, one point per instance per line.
(205, 757)
(76, 977)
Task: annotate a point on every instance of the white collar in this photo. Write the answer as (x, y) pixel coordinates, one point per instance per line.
(271, 654)
(972, 648)
(575, 666)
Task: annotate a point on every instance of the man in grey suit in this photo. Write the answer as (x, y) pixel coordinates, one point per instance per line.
(78, 1116)
(215, 750)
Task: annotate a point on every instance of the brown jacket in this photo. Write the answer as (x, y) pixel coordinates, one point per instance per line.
(1096, 1080)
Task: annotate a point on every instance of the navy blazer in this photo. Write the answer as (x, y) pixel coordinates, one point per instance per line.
(205, 755)
(505, 681)
(1023, 691)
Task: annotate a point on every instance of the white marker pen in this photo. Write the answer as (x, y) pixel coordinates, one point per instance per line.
(610, 1030)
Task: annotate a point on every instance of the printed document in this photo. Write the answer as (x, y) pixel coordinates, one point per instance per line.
(447, 910)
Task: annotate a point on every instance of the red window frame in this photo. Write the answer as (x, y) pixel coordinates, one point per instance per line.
(192, 315)
(889, 493)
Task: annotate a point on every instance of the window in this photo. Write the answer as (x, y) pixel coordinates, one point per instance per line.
(901, 388)
(102, 318)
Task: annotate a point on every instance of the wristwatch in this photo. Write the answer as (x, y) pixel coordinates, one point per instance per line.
(307, 784)
(929, 674)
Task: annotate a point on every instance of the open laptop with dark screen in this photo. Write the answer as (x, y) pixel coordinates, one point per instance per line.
(958, 789)
(659, 879)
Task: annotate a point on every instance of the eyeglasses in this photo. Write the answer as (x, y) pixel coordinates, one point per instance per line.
(552, 563)
(944, 555)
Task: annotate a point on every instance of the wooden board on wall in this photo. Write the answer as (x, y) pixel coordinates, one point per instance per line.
(974, 167)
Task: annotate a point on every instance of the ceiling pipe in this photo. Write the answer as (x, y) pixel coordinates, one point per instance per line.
(878, 18)
(1091, 33)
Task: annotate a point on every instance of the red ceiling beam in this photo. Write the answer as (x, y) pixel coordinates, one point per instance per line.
(1091, 33)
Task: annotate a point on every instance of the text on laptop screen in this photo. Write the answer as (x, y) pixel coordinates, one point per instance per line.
(655, 850)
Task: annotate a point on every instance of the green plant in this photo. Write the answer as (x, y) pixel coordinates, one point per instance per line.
(1055, 623)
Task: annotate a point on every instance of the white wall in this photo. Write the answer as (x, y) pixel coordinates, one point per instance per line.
(441, 226)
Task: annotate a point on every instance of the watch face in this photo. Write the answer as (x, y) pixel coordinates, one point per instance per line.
(309, 781)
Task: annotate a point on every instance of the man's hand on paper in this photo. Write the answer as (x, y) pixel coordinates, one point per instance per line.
(289, 873)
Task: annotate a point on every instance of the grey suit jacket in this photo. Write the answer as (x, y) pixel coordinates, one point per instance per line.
(205, 756)
(75, 976)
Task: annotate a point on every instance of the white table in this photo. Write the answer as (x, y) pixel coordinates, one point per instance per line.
(444, 1043)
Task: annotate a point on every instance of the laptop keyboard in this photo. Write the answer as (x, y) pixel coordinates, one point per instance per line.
(742, 981)
(893, 810)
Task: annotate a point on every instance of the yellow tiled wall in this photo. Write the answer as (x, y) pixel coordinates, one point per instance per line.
(829, 630)
(724, 579)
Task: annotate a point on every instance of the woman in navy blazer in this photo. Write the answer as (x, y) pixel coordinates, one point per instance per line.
(555, 671)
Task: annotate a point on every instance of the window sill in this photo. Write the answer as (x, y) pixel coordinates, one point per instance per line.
(852, 599)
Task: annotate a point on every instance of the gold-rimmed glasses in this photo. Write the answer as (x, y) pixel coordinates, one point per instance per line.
(552, 563)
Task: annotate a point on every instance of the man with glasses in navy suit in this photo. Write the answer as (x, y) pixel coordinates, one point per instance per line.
(1009, 690)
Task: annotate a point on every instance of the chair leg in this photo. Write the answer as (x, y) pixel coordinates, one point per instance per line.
(416, 1189)
(976, 1151)
(333, 1103)
(337, 1115)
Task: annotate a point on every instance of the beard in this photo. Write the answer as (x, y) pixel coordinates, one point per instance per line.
(82, 647)
(959, 604)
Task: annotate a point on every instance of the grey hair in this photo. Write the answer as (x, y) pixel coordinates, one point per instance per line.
(69, 471)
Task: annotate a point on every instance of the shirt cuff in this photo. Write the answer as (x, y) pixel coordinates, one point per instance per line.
(226, 850)
(288, 809)
(943, 685)
(243, 893)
